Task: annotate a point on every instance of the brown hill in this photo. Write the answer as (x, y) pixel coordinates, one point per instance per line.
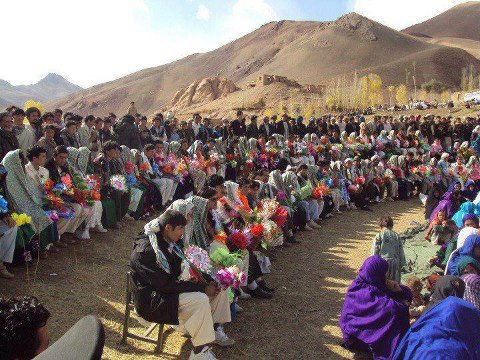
(461, 21)
(306, 51)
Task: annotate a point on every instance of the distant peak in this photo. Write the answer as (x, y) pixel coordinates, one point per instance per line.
(53, 77)
(467, 3)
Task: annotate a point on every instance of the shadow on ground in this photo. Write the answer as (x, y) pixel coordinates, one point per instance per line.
(301, 322)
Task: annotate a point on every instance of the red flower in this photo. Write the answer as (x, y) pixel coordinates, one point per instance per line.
(257, 230)
(249, 164)
(323, 139)
(360, 180)
(280, 216)
(129, 167)
(144, 167)
(230, 157)
(238, 239)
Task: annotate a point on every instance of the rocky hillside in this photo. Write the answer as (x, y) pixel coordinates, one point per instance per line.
(308, 52)
(202, 91)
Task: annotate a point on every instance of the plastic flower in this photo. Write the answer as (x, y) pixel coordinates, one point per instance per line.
(238, 239)
(129, 167)
(257, 230)
(144, 167)
(21, 219)
(118, 182)
(3, 205)
(67, 181)
(199, 258)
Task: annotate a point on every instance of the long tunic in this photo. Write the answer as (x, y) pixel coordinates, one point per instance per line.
(388, 245)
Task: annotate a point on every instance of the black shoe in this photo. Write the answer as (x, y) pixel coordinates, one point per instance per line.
(263, 285)
(259, 293)
(292, 240)
(366, 208)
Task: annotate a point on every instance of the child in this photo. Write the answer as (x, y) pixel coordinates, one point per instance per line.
(388, 245)
(440, 231)
(418, 302)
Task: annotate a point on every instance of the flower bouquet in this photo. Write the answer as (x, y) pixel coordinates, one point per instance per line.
(118, 182)
(230, 277)
(21, 219)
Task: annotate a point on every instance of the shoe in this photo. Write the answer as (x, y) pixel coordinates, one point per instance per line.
(307, 228)
(70, 241)
(260, 294)
(292, 240)
(205, 354)
(83, 235)
(313, 225)
(243, 295)
(129, 217)
(117, 226)
(60, 244)
(238, 309)
(366, 208)
(221, 338)
(100, 229)
(4, 273)
(264, 287)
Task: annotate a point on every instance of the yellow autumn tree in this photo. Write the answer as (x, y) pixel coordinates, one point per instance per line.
(309, 111)
(445, 96)
(391, 90)
(401, 95)
(375, 91)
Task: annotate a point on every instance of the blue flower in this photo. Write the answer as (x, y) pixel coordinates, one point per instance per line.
(3, 205)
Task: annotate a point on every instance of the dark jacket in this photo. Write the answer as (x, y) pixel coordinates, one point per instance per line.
(127, 133)
(8, 142)
(252, 131)
(156, 292)
(54, 175)
(281, 128)
(263, 130)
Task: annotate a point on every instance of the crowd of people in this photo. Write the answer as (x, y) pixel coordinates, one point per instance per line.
(221, 197)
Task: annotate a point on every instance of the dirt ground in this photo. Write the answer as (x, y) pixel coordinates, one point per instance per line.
(301, 322)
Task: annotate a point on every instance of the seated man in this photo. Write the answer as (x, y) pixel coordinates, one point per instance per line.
(57, 168)
(24, 333)
(106, 165)
(160, 297)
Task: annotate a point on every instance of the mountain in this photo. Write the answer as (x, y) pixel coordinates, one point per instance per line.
(51, 87)
(305, 51)
(461, 21)
(458, 27)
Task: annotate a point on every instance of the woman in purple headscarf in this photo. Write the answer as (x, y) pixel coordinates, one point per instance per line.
(449, 202)
(375, 313)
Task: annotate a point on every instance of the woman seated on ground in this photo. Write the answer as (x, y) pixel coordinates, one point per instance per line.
(447, 331)
(375, 314)
(470, 248)
(472, 289)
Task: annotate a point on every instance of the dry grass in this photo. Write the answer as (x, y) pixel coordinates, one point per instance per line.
(301, 321)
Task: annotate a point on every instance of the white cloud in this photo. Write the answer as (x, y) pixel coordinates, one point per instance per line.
(247, 15)
(203, 12)
(88, 42)
(404, 13)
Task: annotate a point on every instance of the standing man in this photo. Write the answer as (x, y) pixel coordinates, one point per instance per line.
(8, 140)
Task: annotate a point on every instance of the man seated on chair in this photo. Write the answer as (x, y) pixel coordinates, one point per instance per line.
(160, 297)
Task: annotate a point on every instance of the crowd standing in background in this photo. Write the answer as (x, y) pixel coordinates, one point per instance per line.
(221, 197)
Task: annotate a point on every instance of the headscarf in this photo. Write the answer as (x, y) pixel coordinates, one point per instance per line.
(126, 155)
(232, 193)
(447, 204)
(185, 207)
(196, 146)
(174, 147)
(252, 145)
(199, 236)
(467, 208)
(371, 312)
(444, 287)
(275, 180)
(471, 242)
(467, 193)
(472, 289)
(151, 229)
(83, 159)
(466, 232)
(448, 331)
(23, 194)
(72, 156)
(464, 262)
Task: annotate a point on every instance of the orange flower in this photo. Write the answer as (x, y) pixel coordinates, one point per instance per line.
(144, 167)
(95, 195)
(221, 237)
(48, 185)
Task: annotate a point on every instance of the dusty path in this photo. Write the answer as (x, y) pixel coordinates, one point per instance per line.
(301, 322)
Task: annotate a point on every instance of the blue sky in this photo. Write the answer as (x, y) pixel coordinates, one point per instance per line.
(93, 41)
